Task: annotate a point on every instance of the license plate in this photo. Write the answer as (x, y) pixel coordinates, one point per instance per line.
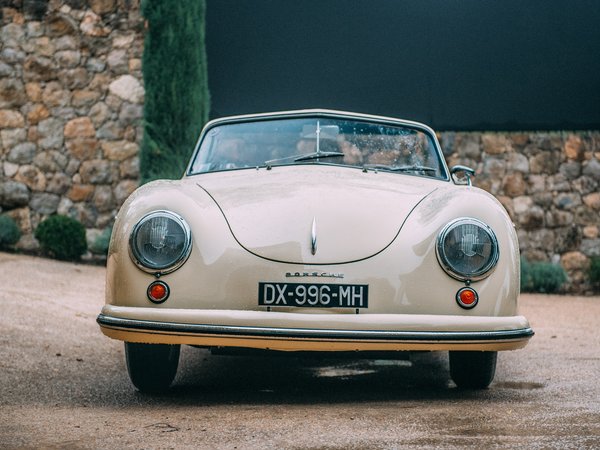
(313, 295)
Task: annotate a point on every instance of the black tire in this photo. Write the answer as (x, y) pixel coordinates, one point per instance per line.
(473, 370)
(151, 367)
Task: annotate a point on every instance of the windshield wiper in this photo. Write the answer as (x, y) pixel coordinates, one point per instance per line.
(413, 168)
(295, 158)
(317, 155)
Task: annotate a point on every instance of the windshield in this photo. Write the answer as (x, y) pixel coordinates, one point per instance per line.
(270, 143)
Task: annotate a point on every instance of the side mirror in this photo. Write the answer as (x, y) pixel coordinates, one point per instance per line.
(466, 170)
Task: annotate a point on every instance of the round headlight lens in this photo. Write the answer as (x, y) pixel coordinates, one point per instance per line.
(467, 249)
(160, 242)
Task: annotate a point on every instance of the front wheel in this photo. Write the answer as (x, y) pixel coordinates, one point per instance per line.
(151, 367)
(473, 370)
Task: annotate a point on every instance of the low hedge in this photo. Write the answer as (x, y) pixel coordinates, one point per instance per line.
(9, 232)
(542, 277)
(62, 237)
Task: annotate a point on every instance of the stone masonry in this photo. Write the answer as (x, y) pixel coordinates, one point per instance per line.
(71, 100)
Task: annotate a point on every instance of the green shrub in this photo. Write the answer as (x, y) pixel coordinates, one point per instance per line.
(542, 277)
(101, 243)
(594, 272)
(9, 232)
(62, 238)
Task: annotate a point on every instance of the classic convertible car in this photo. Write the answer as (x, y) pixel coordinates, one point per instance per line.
(314, 231)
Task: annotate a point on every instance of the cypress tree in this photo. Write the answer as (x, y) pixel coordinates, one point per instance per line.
(175, 79)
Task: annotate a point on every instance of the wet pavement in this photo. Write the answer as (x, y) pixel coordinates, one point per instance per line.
(64, 385)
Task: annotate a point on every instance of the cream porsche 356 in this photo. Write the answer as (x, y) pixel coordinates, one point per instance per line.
(316, 231)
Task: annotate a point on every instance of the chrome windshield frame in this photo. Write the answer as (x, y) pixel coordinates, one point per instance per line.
(317, 114)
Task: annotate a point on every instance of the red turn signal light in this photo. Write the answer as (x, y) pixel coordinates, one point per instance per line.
(467, 298)
(158, 292)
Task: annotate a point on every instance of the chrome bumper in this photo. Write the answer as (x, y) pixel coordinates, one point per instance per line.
(348, 333)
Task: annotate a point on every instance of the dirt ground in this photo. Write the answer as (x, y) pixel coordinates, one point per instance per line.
(64, 385)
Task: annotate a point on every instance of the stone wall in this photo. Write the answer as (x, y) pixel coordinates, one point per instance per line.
(71, 100)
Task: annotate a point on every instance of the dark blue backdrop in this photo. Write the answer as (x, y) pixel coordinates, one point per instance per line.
(462, 65)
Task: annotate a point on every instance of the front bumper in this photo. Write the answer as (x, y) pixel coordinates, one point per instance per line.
(314, 332)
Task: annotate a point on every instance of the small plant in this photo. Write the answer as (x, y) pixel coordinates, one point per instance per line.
(9, 232)
(594, 272)
(543, 277)
(101, 243)
(525, 275)
(62, 237)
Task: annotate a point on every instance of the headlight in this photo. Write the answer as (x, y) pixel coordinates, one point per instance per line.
(467, 249)
(160, 242)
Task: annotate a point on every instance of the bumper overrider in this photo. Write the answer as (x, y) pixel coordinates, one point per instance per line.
(313, 332)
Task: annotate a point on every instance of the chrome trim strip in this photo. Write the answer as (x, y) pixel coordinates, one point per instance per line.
(146, 325)
(313, 237)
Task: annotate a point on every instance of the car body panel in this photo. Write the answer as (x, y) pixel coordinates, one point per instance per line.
(348, 227)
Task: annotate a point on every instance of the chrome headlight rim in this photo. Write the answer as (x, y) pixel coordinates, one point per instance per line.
(482, 273)
(143, 263)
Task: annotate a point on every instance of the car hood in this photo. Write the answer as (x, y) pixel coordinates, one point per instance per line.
(315, 214)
